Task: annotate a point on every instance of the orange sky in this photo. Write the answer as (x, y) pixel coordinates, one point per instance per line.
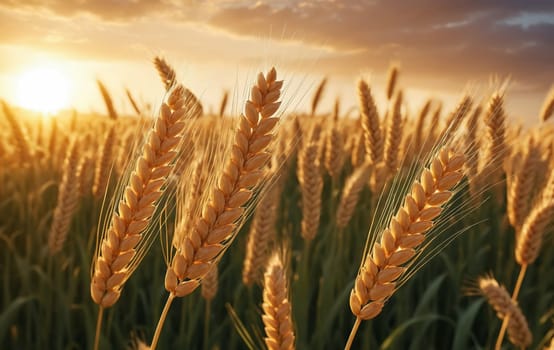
(441, 46)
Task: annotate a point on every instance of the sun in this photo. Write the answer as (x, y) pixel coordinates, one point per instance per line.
(43, 89)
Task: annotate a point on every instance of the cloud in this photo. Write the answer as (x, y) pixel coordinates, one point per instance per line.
(439, 44)
(455, 38)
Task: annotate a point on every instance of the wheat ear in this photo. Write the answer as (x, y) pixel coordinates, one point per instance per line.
(455, 118)
(261, 234)
(107, 100)
(210, 284)
(394, 135)
(529, 240)
(506, 309)
(351, 193)
(242, 172)
(383, 265)
(223, 104)
(311, 186)
(103, 164)
(214, 230)
(391, 81)
(21, 137)
(117, 248)
(317, 95)
(520, 186)
(495, 120)
(548, 107)
(133, 102)
(334, 156)
(85, 175)
(373, 140)
(169, 78)
(420, 124)
(277, 316)
(67, 203)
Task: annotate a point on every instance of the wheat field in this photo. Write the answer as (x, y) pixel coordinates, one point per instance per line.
(384, 228)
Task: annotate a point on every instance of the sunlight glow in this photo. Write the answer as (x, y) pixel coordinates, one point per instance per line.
(43, 89)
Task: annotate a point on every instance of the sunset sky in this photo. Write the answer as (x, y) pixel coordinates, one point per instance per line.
(441, 47)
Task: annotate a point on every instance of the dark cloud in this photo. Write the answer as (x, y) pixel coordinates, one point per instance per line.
(461, 39)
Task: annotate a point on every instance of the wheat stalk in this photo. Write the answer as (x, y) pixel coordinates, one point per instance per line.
(383, 264)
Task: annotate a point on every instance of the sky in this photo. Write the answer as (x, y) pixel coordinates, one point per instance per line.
(442, 47)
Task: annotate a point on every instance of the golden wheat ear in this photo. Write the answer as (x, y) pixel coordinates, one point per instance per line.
(215, 229)
(260, 237)
(222, 215)
(68, 195)
(548, 107)
(169, 79)
(116, 255)
(499, 299)
(277, 310)
(390, 253)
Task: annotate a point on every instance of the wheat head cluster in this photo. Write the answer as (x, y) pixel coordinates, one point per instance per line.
(380, 226)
